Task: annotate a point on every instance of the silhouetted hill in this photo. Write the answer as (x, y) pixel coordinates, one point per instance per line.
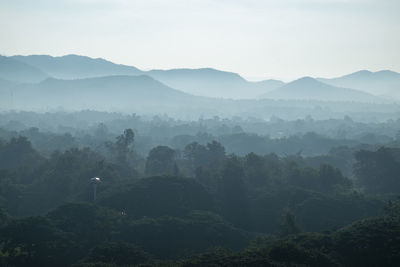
(76, 67)
(101, 93)
(144, 95)
(382, 83)
(308, 88)
(15, 70)
(270, 84)
(213, 83)
(203, 82)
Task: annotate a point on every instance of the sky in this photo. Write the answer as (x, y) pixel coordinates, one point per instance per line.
(284, 39)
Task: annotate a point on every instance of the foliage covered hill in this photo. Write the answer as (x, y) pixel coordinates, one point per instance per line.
(68, 234)
(76, 67)
(213, 83)
(158, 196)
(200, 199)
(89, 235)
(107, 92)
(206, 81)
(329, 141)
(203, 82)
(308, 88)
(17, 71)
(251, 191)
(372, 242)
(384, 83)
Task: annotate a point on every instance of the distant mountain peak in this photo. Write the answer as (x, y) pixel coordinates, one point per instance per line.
(196, 71)
(80, 57)
(305, 81)
(212, 83)
(362, 72)
(306, 78)
(387, 71)
(73, 55)
(308, 88)
(14, 70)
(75, 66)
(382, 83)
(367, 73)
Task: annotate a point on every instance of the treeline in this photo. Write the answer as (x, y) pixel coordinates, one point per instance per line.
(306, 145)
(238, 135)
(176, 203)
(87, 235)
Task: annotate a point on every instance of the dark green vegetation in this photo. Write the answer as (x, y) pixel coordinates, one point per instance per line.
(203, 193)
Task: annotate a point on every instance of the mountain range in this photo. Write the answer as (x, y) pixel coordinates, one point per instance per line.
(201, 82)
(18, 71)
(108, 92)
(308, 88)
(76, 67)
(78, 76)
(213, 83)
(384, 83)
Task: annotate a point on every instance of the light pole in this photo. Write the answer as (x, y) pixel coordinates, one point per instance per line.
(95, 181)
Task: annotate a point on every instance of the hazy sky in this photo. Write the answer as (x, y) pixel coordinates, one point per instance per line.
(284, 39)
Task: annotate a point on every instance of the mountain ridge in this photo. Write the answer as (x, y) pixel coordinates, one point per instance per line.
(107, 92)
(207, 82)
(381, 83)
(308, 88)
(15, 70)
(75, 66)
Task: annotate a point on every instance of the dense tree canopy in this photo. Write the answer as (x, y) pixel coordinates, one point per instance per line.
(166, 208)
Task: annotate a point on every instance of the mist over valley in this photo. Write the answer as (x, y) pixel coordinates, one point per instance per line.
(135, 134)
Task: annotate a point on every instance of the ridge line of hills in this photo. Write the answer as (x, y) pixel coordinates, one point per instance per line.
(17, 71)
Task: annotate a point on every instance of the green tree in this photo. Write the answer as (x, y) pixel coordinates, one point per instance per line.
(17, 153)
(330, 177)
(288, 226)
(209, 156)
(196, 154)
(256, 171)
(216, 153)
(118, 253)
(378, 171)
(34, 241)
(161, 161)
(233, 193)
(122, 148)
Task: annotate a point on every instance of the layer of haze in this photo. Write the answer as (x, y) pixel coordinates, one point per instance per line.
(274, 39)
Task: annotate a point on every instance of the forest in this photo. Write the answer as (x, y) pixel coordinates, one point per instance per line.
(208, 192)
(188, 133)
